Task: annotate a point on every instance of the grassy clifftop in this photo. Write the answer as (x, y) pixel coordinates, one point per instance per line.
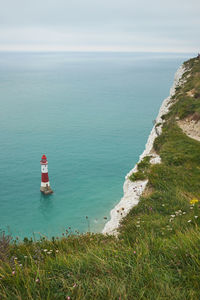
(156, 255)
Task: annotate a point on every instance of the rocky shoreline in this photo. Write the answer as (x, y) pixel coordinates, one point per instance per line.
(133, 190)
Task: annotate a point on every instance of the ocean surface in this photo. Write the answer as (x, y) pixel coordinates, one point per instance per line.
(91, 114)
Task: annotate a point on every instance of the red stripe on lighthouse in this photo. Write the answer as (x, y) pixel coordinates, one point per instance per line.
(45, 177)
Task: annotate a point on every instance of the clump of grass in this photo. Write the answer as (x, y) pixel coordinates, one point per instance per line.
(4, 245)
(142, 169)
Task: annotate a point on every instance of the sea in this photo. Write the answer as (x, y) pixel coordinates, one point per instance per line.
(90, 114)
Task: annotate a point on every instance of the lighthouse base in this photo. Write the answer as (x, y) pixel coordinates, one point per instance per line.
(46, 190)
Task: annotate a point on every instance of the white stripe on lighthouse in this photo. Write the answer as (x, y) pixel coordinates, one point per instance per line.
(44, 184)
(44, 168)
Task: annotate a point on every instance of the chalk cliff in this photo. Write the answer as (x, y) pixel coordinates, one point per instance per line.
(133, 190)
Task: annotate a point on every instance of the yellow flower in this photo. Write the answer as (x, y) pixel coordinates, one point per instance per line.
(193, 201)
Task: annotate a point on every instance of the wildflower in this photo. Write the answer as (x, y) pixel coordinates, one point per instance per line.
(137, 225)
(189, 221)
(191, 207)
(173, 216)
(163, 204)
(184, 212)
(57, 251)
(49, 252)
(138, 222)
(20, 265)
(196, 217)
(45, 250)
(134, 252)
(37, 280)
(15, 258)
(74, 285)
(193, 201)
(68, 298)
(13, 272)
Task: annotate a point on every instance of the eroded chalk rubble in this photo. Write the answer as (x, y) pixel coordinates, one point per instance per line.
(190, 127)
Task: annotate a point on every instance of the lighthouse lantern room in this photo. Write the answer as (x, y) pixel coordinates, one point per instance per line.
(45, 185)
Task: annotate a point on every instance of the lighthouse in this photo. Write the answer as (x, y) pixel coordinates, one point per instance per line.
(45, 185)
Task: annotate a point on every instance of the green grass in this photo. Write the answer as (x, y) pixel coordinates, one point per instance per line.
(156, 255)
(142, 169)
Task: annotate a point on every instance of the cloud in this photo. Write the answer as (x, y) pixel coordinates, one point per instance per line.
(79, 25)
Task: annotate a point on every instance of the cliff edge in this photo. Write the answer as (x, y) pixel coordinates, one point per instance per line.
(134, 189)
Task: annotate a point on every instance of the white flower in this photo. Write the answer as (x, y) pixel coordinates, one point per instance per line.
(137, 225)
(57, 251)
(191, 207)
(189, 221)
(184, 212)
(163, 204)
(45, 250)
(49, 252)
(196, 217)
(173, 216)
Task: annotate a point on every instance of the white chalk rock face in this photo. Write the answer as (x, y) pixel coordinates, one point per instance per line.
(132, 193)
(133, 190)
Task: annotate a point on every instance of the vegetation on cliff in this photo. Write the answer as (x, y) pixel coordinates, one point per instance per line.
(156, 255)
(142, 170)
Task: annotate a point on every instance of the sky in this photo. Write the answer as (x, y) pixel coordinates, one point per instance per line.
(100, 25)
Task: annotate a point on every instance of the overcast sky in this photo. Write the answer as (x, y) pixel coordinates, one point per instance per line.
(114, 25)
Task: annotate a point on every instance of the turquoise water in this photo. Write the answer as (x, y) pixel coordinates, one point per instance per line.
(91, 114)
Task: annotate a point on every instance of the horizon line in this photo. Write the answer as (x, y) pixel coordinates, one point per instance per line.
(97, 50)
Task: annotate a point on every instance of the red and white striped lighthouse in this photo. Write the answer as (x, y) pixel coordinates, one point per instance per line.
(45, 185)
